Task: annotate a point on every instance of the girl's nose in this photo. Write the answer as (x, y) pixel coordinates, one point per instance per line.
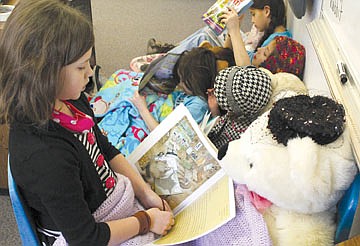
(90, 71)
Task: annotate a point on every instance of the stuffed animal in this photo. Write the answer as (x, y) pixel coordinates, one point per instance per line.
(298, 157)
(283, 85)
(224, 56)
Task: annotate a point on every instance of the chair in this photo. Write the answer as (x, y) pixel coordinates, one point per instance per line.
(348, 215)
(24, 222)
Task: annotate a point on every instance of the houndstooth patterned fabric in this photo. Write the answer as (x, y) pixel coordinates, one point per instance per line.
(250, 88)
(227, 130)
(243, 92)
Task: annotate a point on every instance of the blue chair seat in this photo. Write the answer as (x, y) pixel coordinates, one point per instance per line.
(24, 222)
(346, 211)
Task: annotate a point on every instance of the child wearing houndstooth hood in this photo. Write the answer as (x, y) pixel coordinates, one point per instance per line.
(239, 96)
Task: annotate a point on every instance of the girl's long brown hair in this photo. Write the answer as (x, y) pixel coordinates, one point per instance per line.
(40, 38)
(277, 15)
(197, 69)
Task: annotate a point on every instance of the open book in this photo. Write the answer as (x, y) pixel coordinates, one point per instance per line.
(180, 164)
(211, 16)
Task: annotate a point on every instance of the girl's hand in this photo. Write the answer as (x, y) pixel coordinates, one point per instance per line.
(161, 221)
(152, 200)
(138, 101)
(231, 19)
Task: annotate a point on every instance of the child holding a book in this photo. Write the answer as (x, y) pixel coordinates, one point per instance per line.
(282, 54)
(79, 189)
(195, 70)
(128, 114)
(268, 16)
(276, 50)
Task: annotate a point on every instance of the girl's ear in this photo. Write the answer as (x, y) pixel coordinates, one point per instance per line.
(267, 11)
(212, 103)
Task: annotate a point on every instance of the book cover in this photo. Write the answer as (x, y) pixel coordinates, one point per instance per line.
(180, 164)
(211, 16)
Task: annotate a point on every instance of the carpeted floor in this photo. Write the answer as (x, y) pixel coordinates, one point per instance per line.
(9, 234)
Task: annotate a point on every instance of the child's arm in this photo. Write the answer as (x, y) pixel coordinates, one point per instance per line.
(143, 191)
(159, 211)
(234, 38)
(123, 229)
(227, 43)
(140, 103)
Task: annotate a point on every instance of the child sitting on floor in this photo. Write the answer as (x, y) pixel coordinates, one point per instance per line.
(282, 54)
(195, 70)
(128, 117)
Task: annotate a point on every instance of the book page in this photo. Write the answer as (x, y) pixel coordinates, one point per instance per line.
(212, 16)
(212, 209)
(176, 158)
(180, 163)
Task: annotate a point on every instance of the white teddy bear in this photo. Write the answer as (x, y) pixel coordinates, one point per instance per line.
(297, 156)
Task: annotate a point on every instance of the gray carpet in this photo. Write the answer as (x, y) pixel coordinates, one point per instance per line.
(9, 234)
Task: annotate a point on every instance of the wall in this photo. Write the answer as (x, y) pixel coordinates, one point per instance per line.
(123, 27)
(329, 23)
(342, 17)
(313, 76)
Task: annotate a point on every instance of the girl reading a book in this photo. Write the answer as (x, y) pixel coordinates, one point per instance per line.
(276, 50)
(269, 21)
(268, 16)
(79, 188)
(195, 70)
(128, 117)
(282, 54)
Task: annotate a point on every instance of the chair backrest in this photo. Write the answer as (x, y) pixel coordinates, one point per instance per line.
(348, 214)
(21, 211)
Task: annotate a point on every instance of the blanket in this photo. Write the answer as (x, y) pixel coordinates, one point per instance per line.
(247, 228)
(120, 120)
(120, 204)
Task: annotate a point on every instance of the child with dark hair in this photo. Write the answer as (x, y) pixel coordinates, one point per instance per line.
(129, 115)
(275, 24)
(240, 95)
(195, 70)
(282, 54)
(268, 16)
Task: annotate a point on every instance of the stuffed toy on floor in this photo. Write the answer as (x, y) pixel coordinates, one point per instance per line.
(224, 56)
(297, 160)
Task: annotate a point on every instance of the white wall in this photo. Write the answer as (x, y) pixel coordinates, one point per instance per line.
(313, 77)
